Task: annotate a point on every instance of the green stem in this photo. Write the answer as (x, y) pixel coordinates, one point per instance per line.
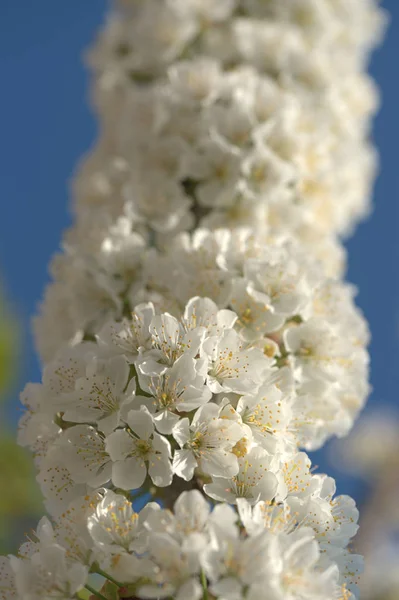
(94, 592)
(204, 585)
(111, 579)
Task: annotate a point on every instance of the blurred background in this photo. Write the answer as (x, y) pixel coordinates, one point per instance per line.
(46, 126)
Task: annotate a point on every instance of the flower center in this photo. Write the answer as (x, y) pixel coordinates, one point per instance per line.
(166, 400)
(241, 448)
(196, 442)
(143, 447)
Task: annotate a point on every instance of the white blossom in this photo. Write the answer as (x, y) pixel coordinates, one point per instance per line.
(84, 453)
(128, 336)
(176, 570)
(116, 528)
(8, 589)
(293, 572)
(56, 482)
(99, 396)
(47, 575)
(169, 341)
(180, 388)
(235, 564)
(139, 449)
(255, 479)
(208, 443)
(232, 366)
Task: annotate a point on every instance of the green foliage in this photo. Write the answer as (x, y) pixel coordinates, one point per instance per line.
(20, 501)
(9, 335)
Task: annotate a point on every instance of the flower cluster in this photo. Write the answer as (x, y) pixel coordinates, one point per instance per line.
(289, 550)
(244, 112)
(273, 303)
(197, 338)
(204, 394)
(214, 400)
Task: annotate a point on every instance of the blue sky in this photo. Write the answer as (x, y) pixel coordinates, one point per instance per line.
(46, 125)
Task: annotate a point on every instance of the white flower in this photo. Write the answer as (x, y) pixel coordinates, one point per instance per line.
(70, 528)
(168, 29)
(234, 122)
(233, 367)
(139, 449)
(8, 589)
(203, 312)
(179, 388)
(208, 443)
(160, 205)
(176, 570)
(61, 374)
(293, 571)
(36, 427)
(99, 396)
(169, 341)
(85, 456)
(318, 349)
(334, 520)
(127, 336)
(47, 575)
(93, 299)
(194, 83)
(350, 567)
(208, 12)
(57, 483)
(281, 282)
(295, 477)
(217, 167)
(191, 512)
(254, 318)
(233, 564)
(121, 257)
(254, 481)
(265, 171)
(188, 524)
(116, 528)
(268, 414)
(277, 518)
(118, 534)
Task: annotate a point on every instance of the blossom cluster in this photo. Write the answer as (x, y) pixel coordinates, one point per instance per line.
(220, 396)
(264, 550)
(244, 112)
(282, 311)
(197, 337)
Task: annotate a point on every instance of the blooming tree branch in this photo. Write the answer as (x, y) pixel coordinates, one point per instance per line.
(197, 337)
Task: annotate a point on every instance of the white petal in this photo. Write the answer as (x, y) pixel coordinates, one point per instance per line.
(220, 464)
(268, 486)
(181, 432)
(119, 444)
(184, 464)
(191, 589)
(165, 421)
(192, 509)
(228, 588)
(160, 470)
(140, 421)
(129, 474)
